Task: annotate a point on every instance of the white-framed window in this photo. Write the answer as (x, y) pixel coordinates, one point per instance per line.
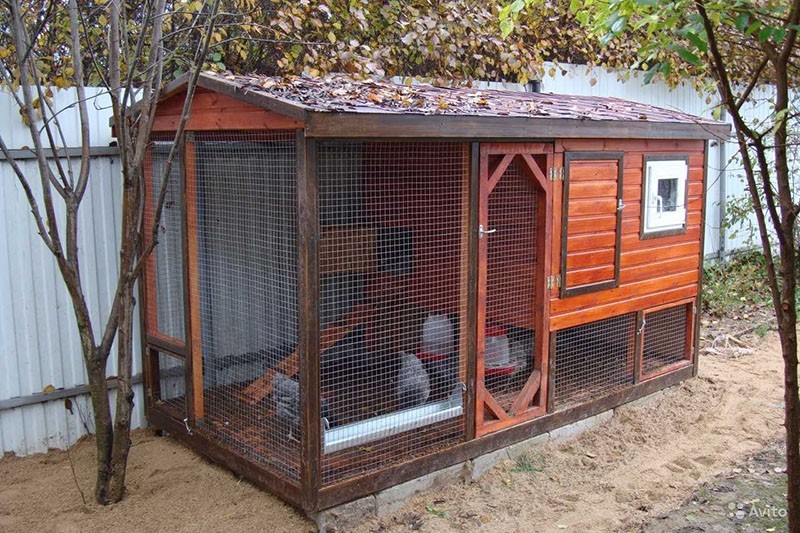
(664, 199)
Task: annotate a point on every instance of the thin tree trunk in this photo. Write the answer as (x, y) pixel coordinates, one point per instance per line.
(787, 329)
(102, 421)
(124, 405)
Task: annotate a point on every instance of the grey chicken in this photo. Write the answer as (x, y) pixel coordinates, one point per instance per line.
(286, 396)
(413, 384)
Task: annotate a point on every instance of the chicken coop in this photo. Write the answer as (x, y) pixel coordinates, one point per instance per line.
(358, 283)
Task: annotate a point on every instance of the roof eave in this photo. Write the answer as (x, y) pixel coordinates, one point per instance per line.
(397, 125)
(235, 90)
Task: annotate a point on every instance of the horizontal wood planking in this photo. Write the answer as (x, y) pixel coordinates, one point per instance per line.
(591, 189)
(595, 223)
(586, 276)
(591, 258)
(652, 271)
(687, 263)
(408, 125)
(599, 206)
(630, 145)
(589, 242)
(592, 221)
(630, 304)
(214, 111)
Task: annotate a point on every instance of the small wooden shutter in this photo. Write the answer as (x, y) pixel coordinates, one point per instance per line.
(592, 222)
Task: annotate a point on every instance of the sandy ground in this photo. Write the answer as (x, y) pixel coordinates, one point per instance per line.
(621, 475)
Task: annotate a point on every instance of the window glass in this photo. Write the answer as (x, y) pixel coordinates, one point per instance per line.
(668, 195)
(664, 198)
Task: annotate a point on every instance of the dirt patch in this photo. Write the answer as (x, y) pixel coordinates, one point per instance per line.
(637, 467)
(749, 498)
(169, 489)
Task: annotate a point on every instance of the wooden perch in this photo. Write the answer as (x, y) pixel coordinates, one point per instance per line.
(262, 385)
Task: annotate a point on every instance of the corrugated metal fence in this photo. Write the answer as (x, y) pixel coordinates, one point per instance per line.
(40, 356)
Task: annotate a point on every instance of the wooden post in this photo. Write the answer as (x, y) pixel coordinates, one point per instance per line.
(470, 264)
(544, 249)
(695, 355)
(638, 347)
(308, 320)
(150, 368)
(194, 362)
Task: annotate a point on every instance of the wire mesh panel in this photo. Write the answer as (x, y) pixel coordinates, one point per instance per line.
(172, 383)
(246, 262)
(165, 275)
(392, 223)
(665, 338)
(593, 359)
(510, 285)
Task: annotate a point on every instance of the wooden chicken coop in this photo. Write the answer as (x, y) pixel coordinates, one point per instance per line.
(358, 283)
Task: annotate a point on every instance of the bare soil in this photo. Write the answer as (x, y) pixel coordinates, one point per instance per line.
(748, 498)
(627, 474)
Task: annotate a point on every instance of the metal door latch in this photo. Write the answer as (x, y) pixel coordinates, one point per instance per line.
(482, 232)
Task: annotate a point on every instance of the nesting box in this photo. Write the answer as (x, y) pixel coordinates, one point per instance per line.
(357, 283)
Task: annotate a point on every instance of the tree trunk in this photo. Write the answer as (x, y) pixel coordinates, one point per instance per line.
(104, 431)
(787, 329)
(131, 198)
(124, 403)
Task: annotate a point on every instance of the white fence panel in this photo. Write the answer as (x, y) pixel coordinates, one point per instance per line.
(39, 346)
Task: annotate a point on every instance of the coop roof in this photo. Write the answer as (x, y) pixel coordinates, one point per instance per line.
(339, 106)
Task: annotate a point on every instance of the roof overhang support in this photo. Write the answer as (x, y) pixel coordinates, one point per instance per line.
(387, 125)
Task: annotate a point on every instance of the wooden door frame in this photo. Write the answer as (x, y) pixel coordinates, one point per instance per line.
(488, 179)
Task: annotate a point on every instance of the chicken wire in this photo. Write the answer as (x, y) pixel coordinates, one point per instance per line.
(391, 279)
(665, 340)
(510, 285)
(172, 383)
(593, 359)
(166, 269)
(246, 224)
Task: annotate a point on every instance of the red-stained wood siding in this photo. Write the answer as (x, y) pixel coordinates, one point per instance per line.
(213, 112)
(590, 219)
(653, 271)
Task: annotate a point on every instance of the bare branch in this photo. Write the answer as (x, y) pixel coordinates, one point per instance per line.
(201, 52)
(129, 273)
(753, 82)
(63, 188)
(83, 112)
(21, 41)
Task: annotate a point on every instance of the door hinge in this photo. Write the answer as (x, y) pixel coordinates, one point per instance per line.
(553, 282)
(556, 173)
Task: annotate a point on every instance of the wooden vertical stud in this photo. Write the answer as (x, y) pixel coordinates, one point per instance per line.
(638, 348)
(469, 325)
(194, 362)
(694, 357)
(308, 320)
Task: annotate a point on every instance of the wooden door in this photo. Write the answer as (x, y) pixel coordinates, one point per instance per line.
(514, 235)
(591, 222)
